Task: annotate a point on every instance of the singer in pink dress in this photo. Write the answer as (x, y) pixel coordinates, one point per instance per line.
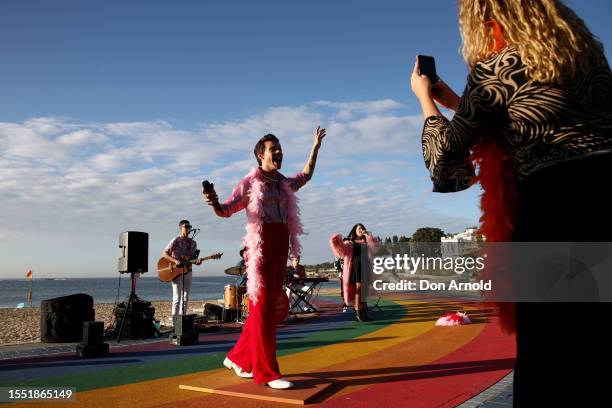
(357, 250)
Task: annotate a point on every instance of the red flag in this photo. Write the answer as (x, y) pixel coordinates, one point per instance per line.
(29, 274)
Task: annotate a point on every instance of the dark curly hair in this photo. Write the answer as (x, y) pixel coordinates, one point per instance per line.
(260, 147)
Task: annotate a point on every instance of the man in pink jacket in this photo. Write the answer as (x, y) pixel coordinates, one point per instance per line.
(273, 228)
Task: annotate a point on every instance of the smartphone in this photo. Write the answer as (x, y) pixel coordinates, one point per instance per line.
(427, 66)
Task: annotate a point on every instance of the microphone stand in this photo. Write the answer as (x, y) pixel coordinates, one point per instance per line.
(376, 305)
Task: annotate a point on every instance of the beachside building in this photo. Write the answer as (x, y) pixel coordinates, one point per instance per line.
(461, 243)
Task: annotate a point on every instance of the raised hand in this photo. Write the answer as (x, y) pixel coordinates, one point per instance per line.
(319, 135)
(421, 85)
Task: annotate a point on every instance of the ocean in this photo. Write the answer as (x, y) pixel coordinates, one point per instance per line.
(107, 290)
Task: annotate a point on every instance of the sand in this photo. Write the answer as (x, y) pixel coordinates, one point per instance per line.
(19, 326)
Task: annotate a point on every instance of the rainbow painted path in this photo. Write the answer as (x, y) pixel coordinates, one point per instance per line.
(400, 359)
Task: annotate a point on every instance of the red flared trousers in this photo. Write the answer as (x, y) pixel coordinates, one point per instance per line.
(256, 348)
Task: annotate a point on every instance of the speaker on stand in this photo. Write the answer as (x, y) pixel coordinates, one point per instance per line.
(133, 259)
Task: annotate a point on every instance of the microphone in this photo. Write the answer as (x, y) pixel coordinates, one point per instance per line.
(207, 188)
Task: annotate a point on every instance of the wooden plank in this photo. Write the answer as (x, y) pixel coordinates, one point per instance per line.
(304, 390)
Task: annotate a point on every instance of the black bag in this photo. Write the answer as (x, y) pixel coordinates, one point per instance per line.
(213, 312)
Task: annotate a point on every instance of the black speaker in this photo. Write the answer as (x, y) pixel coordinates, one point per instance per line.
(61, 319)
(184, 325)
(93, 341)
(93, 333)
(184, 340)
(133, 252)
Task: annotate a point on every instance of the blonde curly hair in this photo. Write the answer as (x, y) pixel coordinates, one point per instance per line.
(553, 42)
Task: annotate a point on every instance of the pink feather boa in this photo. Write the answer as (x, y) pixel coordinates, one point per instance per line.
(253, 239)
(453, 319)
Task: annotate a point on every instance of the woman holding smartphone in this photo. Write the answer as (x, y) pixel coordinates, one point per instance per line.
(536, 118)
(357, 250)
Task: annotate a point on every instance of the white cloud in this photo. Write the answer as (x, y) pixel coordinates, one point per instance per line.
(345, 110)
(80, 181)
(47, 125)
(112, 159)
(22, 141)
(81, 137)
(136, 128)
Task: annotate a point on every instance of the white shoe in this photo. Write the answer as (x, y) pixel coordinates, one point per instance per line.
(229, 364)
(280, 384)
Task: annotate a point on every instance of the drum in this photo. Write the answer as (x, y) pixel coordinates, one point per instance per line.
(230, 297)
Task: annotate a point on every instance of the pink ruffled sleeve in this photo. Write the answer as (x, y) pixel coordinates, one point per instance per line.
(237, 201)
(296, 182)
(373, 244)
(339, 247)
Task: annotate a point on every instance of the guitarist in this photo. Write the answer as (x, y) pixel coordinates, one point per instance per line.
(181, 248)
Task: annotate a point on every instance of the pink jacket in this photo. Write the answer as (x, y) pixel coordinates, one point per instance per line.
(344, 249)
(249, 195)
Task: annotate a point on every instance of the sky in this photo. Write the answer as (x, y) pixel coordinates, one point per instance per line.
(112, 113)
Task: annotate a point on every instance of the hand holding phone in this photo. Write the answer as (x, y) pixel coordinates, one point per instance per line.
(427, 66)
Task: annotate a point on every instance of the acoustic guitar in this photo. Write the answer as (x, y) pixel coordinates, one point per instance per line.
(167, 271)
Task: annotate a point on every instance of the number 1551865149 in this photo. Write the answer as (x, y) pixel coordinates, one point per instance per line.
(11, 394)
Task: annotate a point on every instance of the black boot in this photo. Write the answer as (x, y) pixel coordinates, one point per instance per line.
(358, 315)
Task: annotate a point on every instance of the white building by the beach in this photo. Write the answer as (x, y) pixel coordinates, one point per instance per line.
(459, 244)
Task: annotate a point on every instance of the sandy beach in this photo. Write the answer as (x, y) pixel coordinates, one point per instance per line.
(18, 326)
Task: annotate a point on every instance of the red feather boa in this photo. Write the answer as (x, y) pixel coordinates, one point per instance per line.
(499, 204)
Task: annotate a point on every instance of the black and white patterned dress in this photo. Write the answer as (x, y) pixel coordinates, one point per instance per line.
(539, 125)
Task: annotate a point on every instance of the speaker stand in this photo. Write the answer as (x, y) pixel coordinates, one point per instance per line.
(129, 306)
